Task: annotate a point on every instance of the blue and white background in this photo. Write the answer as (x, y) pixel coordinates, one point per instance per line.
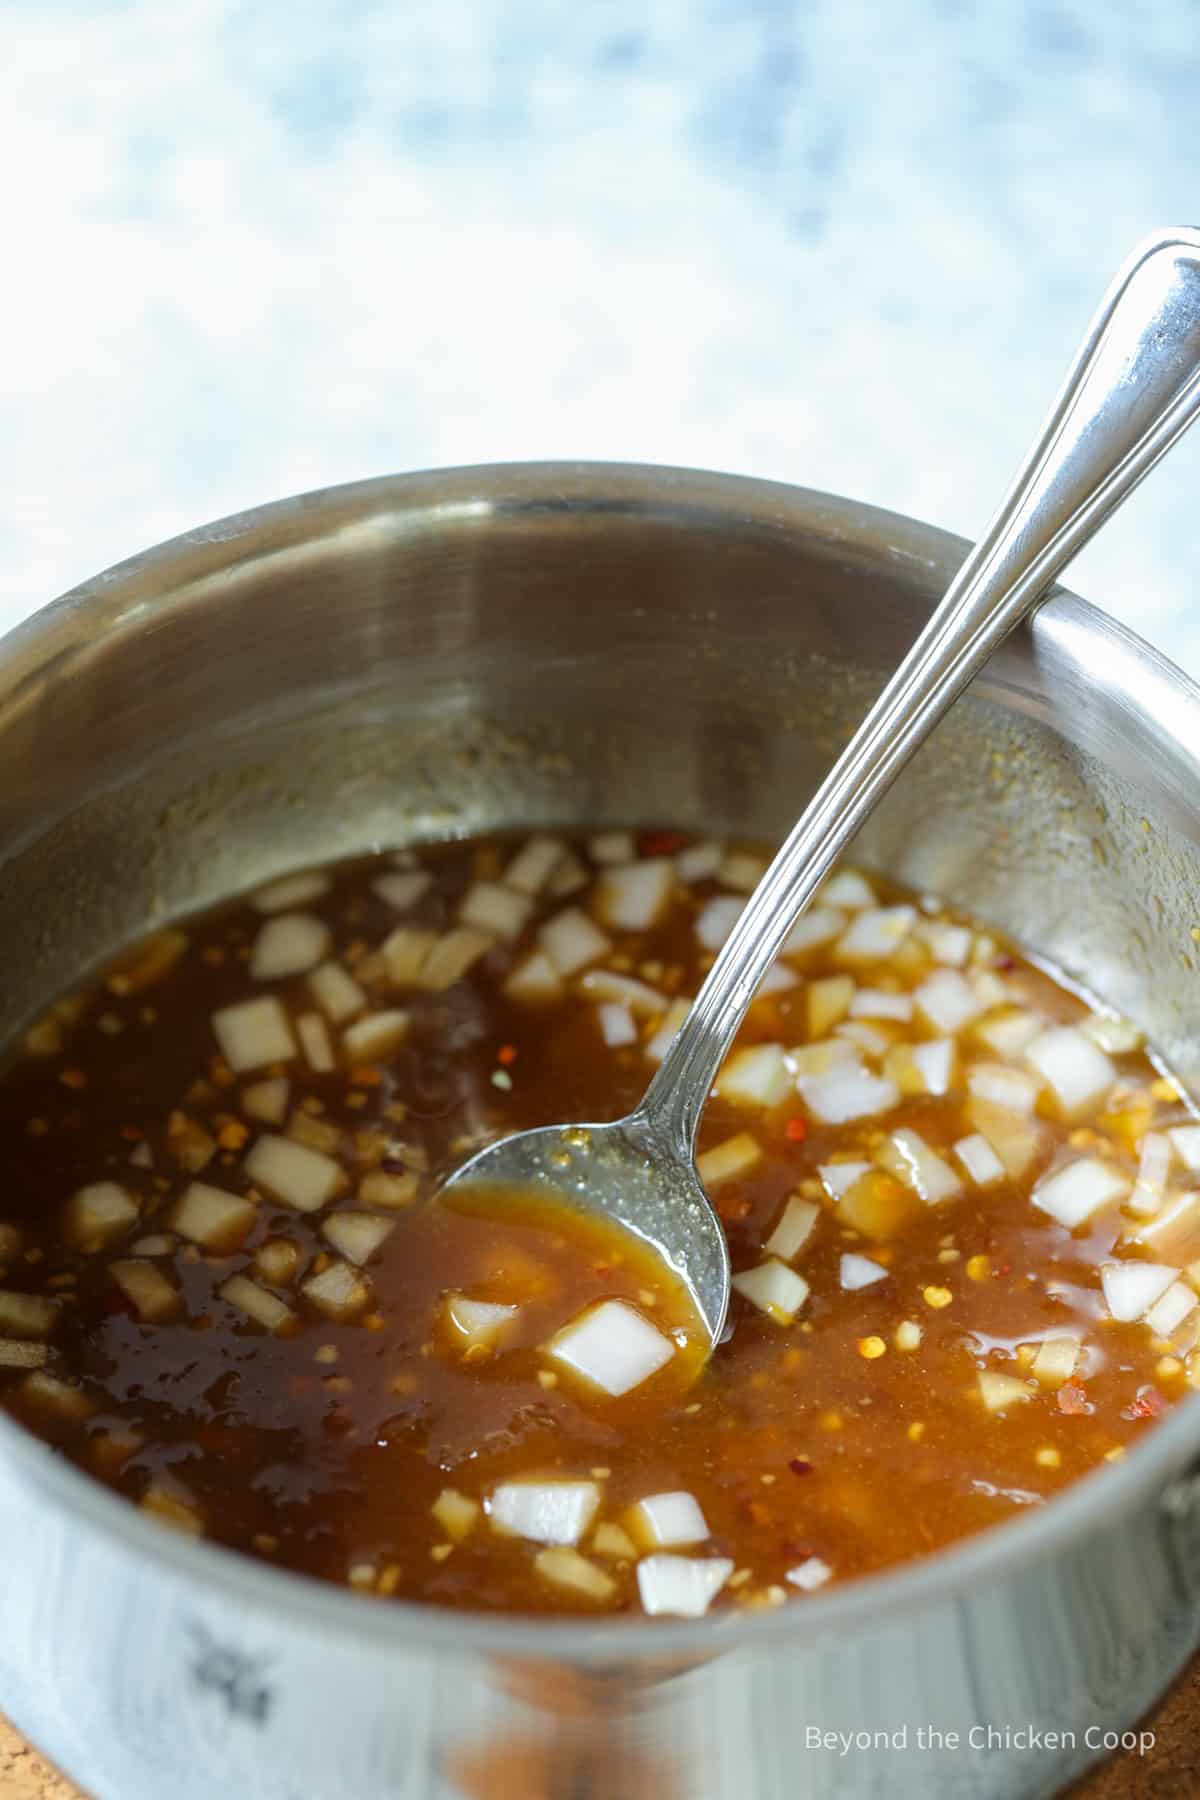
(247, 249)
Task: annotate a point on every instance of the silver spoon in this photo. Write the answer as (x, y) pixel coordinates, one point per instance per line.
(1133, 388)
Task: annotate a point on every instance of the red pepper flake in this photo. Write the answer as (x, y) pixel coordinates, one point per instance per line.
(73, 1078)
(367, 1076)
(1072, 1398)
(133, 1134)
(661, 843)
(1148, 1405)
(800, 1465)
(796, 1129)
(732, 1209)
(506, 1055)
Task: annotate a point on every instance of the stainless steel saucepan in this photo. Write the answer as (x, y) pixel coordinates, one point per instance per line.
(438, 654)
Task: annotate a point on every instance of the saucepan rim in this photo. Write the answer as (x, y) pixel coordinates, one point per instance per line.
(42, 646)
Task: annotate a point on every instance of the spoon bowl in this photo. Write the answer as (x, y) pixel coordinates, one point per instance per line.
(1132, 390)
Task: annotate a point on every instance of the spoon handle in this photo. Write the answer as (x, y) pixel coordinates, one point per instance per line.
(1133, 388)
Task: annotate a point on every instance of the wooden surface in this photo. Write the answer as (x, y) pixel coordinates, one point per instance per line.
(1170, 1772)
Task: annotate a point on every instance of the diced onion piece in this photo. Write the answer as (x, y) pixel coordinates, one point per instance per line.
(755, 1076)
(871, 1003)
(26, 1315)
(492, 907)
(402, 888)
(61, 1397)
(809, 1575)
(477, 1324)
(818, 1059)
(277, 1261)
(546, 1512)
(999, 1392)
(356, 1236)
(339, 1291)
(877, 1205)
(623, 990)
(837, 1177)
(171, 1509)
(144, 1283)
(294, 1173)
(774, 1289)
(1055, 1361)
(979, 1159)
(727, 1160)
(380, 1188)
(948, 1001)
(819, 925)
(376, 1035)
(828, 1001)
(1009, 1033)
(212, 1218)
(289, 944)
(456, 1513)
(742, 870)
(159, 1243)
(253, 1032)
(566, 1568)
(189, 1143)
(611, 1346)
(716, 919)
(535, 980)
(870, 1040)
(667, 1521)
(699, 861)
(848, 889)
(405, 952)
(793, 1229)
(318, 1134)
(336, 992)
(910, 1159)
(11, 1240)
(685, 1586)
(1077, 1070)
(1073, 1193)
(948, 944)
(611, 847)
(572, 941)
(141, 1156)
(292, 890)
(616, 1025)
(859, 1272)
(452, 956)
(777, 980)
(1014, 1137)
(1131, 1288)
(934, 1064)
(847, 1092)
(1115, 1036)
(657, 1045)
(266, 1309)
(633, 896)
(1185, 1140)
(1011, 1088)
(1174, 1232)
(97, 1214)
(989, 989)
(609, 1540)
(568, 878)
(1168, 1313)
(21, 1355)
(876, 934)
(266, 1100)
(533, 865)
(1154, 1165)
(314, 1041)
